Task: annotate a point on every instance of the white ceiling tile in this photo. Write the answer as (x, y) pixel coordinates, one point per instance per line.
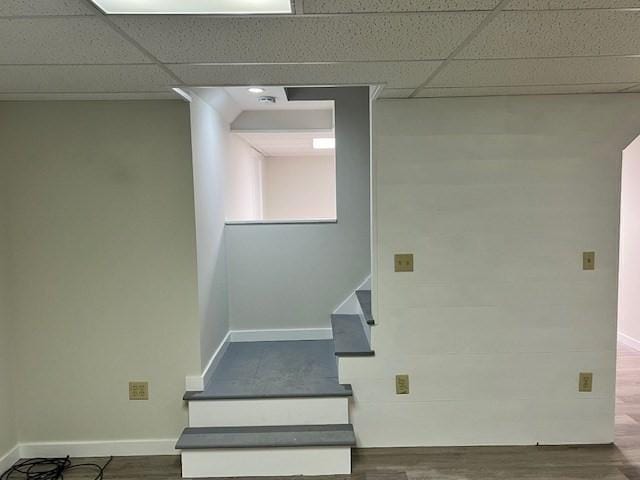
(569, 4)
(521, 90)
(63, 40)
(83, 78)
(365, 6)
(394, 74)
(636, 88)
(7, 97)
(396, 93)
(45, 7)
(558, 33)
(541, 71)
(281, 39)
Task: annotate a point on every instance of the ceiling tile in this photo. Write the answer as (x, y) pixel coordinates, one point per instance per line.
(5, 97)
(522, 90)
(63, 40)
(281, 39)
(542, 71)
(365, 6)
(396, 93)
(558, 33)
(10, 8)
(83, 78)
(394, 74)
(636, 88)
(569, 4)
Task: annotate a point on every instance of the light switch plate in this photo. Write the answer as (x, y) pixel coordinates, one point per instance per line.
(588, 260)
(403, 262)
(585, 382)
(138, 390)
(402, 384)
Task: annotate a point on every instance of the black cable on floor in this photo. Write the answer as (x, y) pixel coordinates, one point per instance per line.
(50, 469)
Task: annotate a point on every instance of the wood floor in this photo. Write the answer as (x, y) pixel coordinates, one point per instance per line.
(611, 462)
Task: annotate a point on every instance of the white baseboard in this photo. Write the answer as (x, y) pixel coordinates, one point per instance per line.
(196, 383)
(117, 448)
(281, 334)
(9, 458)
(629, 341)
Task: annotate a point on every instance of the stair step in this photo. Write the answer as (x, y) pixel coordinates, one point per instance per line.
(364, 297)
(269, 411)
(349, 337)
(267, 437)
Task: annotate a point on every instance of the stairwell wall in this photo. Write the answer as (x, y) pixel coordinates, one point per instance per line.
(497, 198)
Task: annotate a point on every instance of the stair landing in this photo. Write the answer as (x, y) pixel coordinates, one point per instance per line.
(281, 369)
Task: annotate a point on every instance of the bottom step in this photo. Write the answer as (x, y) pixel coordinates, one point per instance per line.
(266, 451)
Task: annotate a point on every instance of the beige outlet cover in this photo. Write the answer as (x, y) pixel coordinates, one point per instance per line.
(585, 382)
(402, 384)
(588, 260)
(403, 262)
(138, 390)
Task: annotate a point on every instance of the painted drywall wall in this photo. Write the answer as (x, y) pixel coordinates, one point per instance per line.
(497, 198)
(299, 187)
(294, 276)
(210, 138)
(629, 278)
(103, 254)
(8, 437)
(244, 181)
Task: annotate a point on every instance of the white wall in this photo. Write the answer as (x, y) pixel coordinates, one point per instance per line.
(497, 198)
(103, 267)
(244, 196)
(299, 188)
(294, 276)
(8, 437)
(211, 144)
(629, 280)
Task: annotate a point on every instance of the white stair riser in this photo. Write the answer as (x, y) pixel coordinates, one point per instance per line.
(269, 412)
(254, 462)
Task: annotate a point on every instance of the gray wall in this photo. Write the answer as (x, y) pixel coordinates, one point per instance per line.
(294, 276)
(104, 278)
(497, 198)
(8, 438)
(210, 145)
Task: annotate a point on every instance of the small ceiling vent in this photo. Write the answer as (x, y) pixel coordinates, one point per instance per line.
(267, 99)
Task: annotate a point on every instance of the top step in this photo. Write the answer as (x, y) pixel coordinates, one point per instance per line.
(364, 297)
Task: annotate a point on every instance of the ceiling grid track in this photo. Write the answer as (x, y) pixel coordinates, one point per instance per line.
(102, 16)
(486, 21)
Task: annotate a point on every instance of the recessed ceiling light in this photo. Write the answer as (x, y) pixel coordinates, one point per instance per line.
(195, 7)
(324, 143)
(256, 90)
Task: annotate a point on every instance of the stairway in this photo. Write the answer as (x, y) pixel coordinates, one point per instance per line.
(277, 408)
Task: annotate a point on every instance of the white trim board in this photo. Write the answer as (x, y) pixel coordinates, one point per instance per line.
(283, 334)
(629, 341)
(196, 383)
(116, 448)
(9, 458)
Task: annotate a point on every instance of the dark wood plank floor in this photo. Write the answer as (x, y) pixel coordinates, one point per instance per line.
(608, 462)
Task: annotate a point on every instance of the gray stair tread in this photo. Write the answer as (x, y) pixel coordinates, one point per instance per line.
(266, 437)
(349, 337)
(364, 297)
(282, 369)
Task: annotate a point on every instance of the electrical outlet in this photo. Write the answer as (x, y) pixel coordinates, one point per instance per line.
(588, 260)
(138, 390)
(586, 382)
(402, 384)
(403, 262)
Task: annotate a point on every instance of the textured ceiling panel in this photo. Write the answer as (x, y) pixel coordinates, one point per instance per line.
(170, 95)
(544, 71)
(83, 78)
(524, 90)
(63, 40)
(570, 4)
(395, 74)
(365, 6)
(558, 33)
(188, 39)
(396, 93)
(44, 7)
